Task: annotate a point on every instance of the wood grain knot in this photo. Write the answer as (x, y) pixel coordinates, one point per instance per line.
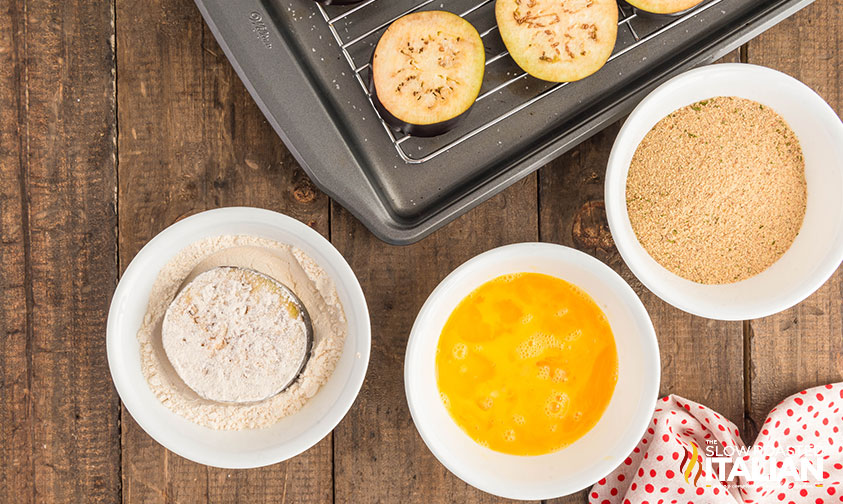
(590, 228)
(304, 191)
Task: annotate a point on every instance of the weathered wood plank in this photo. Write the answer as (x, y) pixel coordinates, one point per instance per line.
(16, 454)
(701, 359)
(378, 454)
(62, 409)
(191, 138)
(803, 346)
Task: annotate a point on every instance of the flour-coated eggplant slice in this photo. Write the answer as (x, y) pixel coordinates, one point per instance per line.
(664, 6)
(558, 40)
(427, 70)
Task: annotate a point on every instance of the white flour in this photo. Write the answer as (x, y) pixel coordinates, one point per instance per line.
(288, 265)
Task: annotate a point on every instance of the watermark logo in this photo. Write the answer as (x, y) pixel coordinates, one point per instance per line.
(691, 460)
(733, 464)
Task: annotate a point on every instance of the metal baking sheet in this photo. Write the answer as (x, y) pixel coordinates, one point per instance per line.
(306, 66)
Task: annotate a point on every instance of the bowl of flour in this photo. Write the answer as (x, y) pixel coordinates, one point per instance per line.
(257, 432)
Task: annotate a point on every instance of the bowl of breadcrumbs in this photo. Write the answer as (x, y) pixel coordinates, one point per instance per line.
(724, 191)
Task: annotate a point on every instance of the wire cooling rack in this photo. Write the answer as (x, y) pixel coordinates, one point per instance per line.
(355, 48)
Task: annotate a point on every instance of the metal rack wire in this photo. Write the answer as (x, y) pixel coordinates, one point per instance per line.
(627, 19)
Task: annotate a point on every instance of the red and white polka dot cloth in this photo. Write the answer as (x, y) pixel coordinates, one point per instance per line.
(804, 429)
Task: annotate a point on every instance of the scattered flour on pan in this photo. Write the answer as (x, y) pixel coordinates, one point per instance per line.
(286, 264)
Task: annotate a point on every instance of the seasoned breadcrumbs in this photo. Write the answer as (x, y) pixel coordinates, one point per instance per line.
(716, 191)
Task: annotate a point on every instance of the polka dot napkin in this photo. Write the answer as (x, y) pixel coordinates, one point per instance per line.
(690, 454)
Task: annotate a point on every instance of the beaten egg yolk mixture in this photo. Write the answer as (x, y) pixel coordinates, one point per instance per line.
(526, 364)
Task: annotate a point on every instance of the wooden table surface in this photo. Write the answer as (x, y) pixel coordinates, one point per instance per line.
(118, 118)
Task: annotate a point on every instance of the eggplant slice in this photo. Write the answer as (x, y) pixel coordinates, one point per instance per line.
(664, 6)
(427, 70)
(558, 40)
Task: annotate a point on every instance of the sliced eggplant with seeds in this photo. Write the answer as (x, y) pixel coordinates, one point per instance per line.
(664, 6)
(558, 40)
(427, 70)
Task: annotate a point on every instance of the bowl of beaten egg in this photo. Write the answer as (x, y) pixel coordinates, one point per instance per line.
(532, 371)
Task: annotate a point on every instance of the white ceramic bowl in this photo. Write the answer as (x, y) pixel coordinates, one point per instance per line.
(818, 249)
(247, 448)
(591, 457)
